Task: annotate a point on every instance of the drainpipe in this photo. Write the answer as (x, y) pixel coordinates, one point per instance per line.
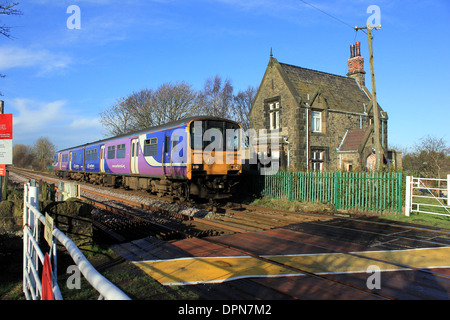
(285, 139)
(307, 137)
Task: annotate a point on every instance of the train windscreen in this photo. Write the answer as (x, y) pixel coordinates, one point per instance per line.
(215, 135)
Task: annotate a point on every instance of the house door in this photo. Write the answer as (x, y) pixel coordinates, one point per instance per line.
(135, 156)
(371, 162)
(102, 158)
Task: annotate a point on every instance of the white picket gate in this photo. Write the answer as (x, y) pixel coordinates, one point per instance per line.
(435, 199)
(33, 257)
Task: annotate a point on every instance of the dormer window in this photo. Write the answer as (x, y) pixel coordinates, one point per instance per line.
(274, 115)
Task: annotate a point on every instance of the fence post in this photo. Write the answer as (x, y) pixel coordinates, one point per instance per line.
(408, 196)
(448, 190)
(399, 186)
(336, 190)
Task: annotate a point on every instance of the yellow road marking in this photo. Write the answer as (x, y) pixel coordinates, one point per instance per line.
(194, 270)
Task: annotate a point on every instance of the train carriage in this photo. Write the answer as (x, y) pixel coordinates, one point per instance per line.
(76, 160)
(92, 158)
(197, 156)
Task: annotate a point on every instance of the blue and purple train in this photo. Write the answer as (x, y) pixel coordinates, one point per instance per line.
(197, 156)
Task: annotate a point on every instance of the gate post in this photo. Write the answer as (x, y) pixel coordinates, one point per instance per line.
(31, 221)
(408, 196)
(448, 190)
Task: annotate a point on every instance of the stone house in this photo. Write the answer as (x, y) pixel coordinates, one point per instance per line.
(324, 121)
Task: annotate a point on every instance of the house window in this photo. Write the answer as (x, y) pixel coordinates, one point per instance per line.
(316, 121)
(317, 160)
(274, 115)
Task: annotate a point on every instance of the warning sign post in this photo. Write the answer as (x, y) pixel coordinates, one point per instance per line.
(6, 136)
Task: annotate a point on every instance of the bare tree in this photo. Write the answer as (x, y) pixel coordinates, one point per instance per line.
(43, 151)
(148, 108)
(7, 8)
(242, 104)
(117, 119)
(432, 156)
(22, 156)
(175, 101)
(142, 108)
(217, 97)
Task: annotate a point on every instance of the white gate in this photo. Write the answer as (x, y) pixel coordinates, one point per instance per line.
(427, 195)
(35, 261)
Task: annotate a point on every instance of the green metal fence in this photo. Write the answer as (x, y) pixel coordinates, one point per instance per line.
(345, 190)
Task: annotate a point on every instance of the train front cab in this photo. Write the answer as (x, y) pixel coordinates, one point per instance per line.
(214, 166)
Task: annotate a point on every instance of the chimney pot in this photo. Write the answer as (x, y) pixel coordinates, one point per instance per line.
(356, 64)
(358, 48)
(352, 51)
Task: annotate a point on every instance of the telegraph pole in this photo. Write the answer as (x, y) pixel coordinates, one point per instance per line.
(376, 112)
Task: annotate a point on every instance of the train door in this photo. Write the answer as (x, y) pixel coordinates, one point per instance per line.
(167, 163)
(135, 156)
(70, 161)
(102, 158)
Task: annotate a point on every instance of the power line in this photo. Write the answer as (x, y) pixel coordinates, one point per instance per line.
(330, 15)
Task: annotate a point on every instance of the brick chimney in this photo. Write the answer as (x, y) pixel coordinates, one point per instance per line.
(356, 64)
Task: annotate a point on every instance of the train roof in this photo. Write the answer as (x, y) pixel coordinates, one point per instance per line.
(168, 125)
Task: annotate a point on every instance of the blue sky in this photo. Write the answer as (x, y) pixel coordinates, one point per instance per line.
(60, 79)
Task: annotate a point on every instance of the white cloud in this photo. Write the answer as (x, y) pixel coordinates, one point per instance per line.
(84, 124)
(44, 60)
(32, 116)
(55, 120)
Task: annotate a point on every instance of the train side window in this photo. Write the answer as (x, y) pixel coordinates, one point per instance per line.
(167, 144)
(121, 151)
(111, 152)
(175, 140)
(151, 147)
(94, 155)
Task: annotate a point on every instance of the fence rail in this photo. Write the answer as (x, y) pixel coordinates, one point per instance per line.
(344, 190)
(34, 260)
(427, 195)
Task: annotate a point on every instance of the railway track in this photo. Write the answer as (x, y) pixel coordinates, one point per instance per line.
(222, 218)
(125, 220)
(236, 218)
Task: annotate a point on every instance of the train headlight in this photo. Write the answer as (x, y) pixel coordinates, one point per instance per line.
(197, 167)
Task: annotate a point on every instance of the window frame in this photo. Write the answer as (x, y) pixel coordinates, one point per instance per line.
(318, 159)
(111, 152)
(274, 115)
(316, 121)
(150, 147)
(121, 151)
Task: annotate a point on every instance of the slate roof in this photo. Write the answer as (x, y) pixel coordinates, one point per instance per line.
(341, 93)
(352, 140)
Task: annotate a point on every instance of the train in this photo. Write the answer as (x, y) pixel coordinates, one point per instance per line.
(196, 157)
